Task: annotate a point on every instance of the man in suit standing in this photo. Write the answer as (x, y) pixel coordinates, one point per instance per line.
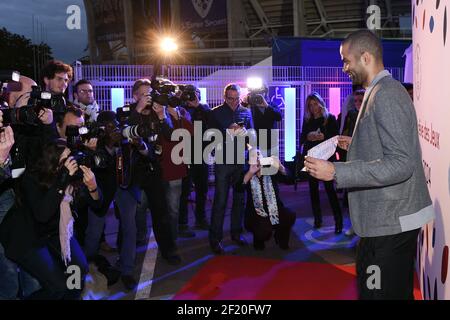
(388, 197)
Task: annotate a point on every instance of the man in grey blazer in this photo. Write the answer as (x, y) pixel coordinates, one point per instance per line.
(388, 197)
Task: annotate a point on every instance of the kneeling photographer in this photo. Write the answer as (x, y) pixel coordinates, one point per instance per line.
(37, 231)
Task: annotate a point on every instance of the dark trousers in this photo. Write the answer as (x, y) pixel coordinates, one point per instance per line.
(332, 197)
(198, 174)
(227, 175)
(154, 190)
(262, 228)
(45, 264)
(394, 256)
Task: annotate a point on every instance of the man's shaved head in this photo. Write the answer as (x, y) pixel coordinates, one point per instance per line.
(364, 41)
(20, 98)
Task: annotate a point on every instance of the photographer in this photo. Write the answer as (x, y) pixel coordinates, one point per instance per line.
(37, 232)
(265, 116)
(173, 174)
(198, 173)
(84, 98)
(55, 78)
(146, 112)
(11, 280)
(31, 130)
(107, 180)
(73, 118)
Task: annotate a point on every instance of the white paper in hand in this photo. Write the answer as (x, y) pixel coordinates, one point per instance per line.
(323, 151)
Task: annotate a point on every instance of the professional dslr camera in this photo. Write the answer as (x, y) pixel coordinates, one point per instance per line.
(130, 132)
(256, 96)
(189, 93)
(164, 92)
(76, 137)
(28, 114)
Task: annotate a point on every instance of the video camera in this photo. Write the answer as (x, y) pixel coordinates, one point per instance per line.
(164, 94)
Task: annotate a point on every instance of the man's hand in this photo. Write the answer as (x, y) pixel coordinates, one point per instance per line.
(160, 110)
(138, 143)
(344, 142)
(264, 102)
(6, 143)
(320, 169)
(144, 101)
(91, 144)
(88, 178)
(46, 116)
(1, 119)
(195, 103)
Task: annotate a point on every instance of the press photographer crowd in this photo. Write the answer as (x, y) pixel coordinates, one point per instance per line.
(64, 165)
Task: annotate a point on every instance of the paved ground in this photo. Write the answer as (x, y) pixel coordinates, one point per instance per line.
(158, 280)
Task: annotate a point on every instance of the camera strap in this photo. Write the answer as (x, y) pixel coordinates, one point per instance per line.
(120, 173)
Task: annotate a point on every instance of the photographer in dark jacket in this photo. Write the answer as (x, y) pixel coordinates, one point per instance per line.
(265, 117)
(37, 232)
(146, 112)
(198, 170)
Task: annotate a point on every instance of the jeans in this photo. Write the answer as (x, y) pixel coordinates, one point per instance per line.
(141, 218)
(12, 281)
(172, 190)
(198, 174)
(227, 175)
(127, 205)
(46, 265)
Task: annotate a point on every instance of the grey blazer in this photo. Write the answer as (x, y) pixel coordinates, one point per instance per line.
(384, 174)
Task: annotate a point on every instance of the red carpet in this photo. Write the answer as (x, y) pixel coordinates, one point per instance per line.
(244, 278)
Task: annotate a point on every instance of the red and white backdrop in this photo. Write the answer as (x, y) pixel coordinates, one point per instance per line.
(431, 59)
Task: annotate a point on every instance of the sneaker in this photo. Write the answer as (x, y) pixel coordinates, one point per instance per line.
(172, 259)
(350, 232)
(185, 232)
(128, 282)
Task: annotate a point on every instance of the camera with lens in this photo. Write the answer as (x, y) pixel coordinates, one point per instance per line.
(188, 93)
(256, 96)
(130, 132)
(164, 93)
(76, 136)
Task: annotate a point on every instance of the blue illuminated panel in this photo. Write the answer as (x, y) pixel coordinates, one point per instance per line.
(117, 98)
(290, 120)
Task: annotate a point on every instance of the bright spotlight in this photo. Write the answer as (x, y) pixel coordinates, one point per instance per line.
(168, 45)
(254, 83)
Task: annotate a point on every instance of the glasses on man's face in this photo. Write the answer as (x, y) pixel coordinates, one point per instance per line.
(84, 91)
(232, 99)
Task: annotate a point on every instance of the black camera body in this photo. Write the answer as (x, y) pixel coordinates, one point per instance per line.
(76, 136)
(256, 96)
(188, 93)
(164, 94)
(130, 132)
(28, 114)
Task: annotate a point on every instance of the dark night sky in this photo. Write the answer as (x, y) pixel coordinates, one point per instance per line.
(67, 45)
